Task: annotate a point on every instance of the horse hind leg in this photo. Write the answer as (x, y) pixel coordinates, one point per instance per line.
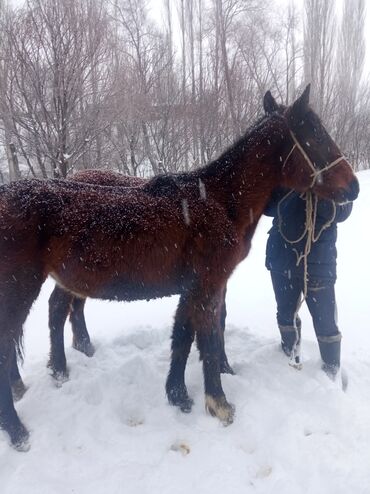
(17, 384)
(182, 339)
(59, 307)
(81, 338)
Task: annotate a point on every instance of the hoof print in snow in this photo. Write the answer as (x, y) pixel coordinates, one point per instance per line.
(182, 448)
(264, 472)
(133, 422)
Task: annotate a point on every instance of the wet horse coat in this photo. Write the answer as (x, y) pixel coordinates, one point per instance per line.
(179, 234)
(62, 303)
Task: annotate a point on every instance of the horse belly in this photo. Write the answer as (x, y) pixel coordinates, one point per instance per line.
(130, 274)
(129, 290)
(119, 286)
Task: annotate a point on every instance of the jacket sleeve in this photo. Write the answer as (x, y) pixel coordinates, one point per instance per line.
(325, 210)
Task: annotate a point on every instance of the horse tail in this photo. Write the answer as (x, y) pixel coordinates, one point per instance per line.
(21, 273)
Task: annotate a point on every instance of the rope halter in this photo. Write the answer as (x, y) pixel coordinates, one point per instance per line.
(315, 173)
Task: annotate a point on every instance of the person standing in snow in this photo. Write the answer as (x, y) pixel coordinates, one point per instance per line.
(285, 246)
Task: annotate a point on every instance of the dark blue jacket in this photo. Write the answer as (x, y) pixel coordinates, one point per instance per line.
(281, 256)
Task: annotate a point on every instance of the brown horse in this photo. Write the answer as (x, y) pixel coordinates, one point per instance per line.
(63, 303)
(177, 234)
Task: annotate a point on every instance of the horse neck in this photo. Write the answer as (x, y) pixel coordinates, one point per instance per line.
(243, 178)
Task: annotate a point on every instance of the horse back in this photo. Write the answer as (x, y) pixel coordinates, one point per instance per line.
(94, 239)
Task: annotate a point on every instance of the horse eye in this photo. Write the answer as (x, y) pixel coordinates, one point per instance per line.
(317, 134)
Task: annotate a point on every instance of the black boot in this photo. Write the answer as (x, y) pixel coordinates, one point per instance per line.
(330, 353)
(289, 337)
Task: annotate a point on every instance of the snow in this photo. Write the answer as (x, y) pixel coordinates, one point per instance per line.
(109, 428)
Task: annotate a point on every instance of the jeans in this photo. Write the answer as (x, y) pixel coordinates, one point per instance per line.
(320, 302)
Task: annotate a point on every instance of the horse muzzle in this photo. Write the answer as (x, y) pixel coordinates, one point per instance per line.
(352, 191)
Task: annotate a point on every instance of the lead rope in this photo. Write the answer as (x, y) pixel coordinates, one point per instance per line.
(309, 232)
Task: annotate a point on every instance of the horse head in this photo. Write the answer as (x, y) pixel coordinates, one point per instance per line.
(311, 159)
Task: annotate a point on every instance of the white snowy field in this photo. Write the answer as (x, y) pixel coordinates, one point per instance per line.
(110, 430)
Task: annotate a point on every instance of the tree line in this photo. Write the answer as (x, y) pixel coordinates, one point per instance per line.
(101, 84)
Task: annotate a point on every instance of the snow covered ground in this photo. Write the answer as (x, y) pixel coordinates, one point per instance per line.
(110, 430)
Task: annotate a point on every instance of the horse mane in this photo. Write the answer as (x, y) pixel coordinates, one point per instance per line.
(252, 137)
(170, 183)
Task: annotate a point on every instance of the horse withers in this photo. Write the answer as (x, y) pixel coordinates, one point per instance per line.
(181, 234)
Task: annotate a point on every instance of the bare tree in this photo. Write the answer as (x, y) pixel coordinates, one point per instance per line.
(5, 114)
(86, 83)
(319, 53)
(350, 95)
(59, 78)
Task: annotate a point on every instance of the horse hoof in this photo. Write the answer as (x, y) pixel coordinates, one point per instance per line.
(186, 405)
(20, 440)
(18, 389)
(220, 408)
(60, 378)
(84, 346)
(179, 397)
(58, 373)
(225, 368)
(23, 446)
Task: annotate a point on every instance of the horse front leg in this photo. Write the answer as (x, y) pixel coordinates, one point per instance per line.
(182, 339)
(225, 367)
(59, 307)
(81, 337)
(18, 290)
(209, 340)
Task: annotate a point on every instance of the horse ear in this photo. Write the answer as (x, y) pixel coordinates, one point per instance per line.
(300, 106)
(306, 93)
(269, 104)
